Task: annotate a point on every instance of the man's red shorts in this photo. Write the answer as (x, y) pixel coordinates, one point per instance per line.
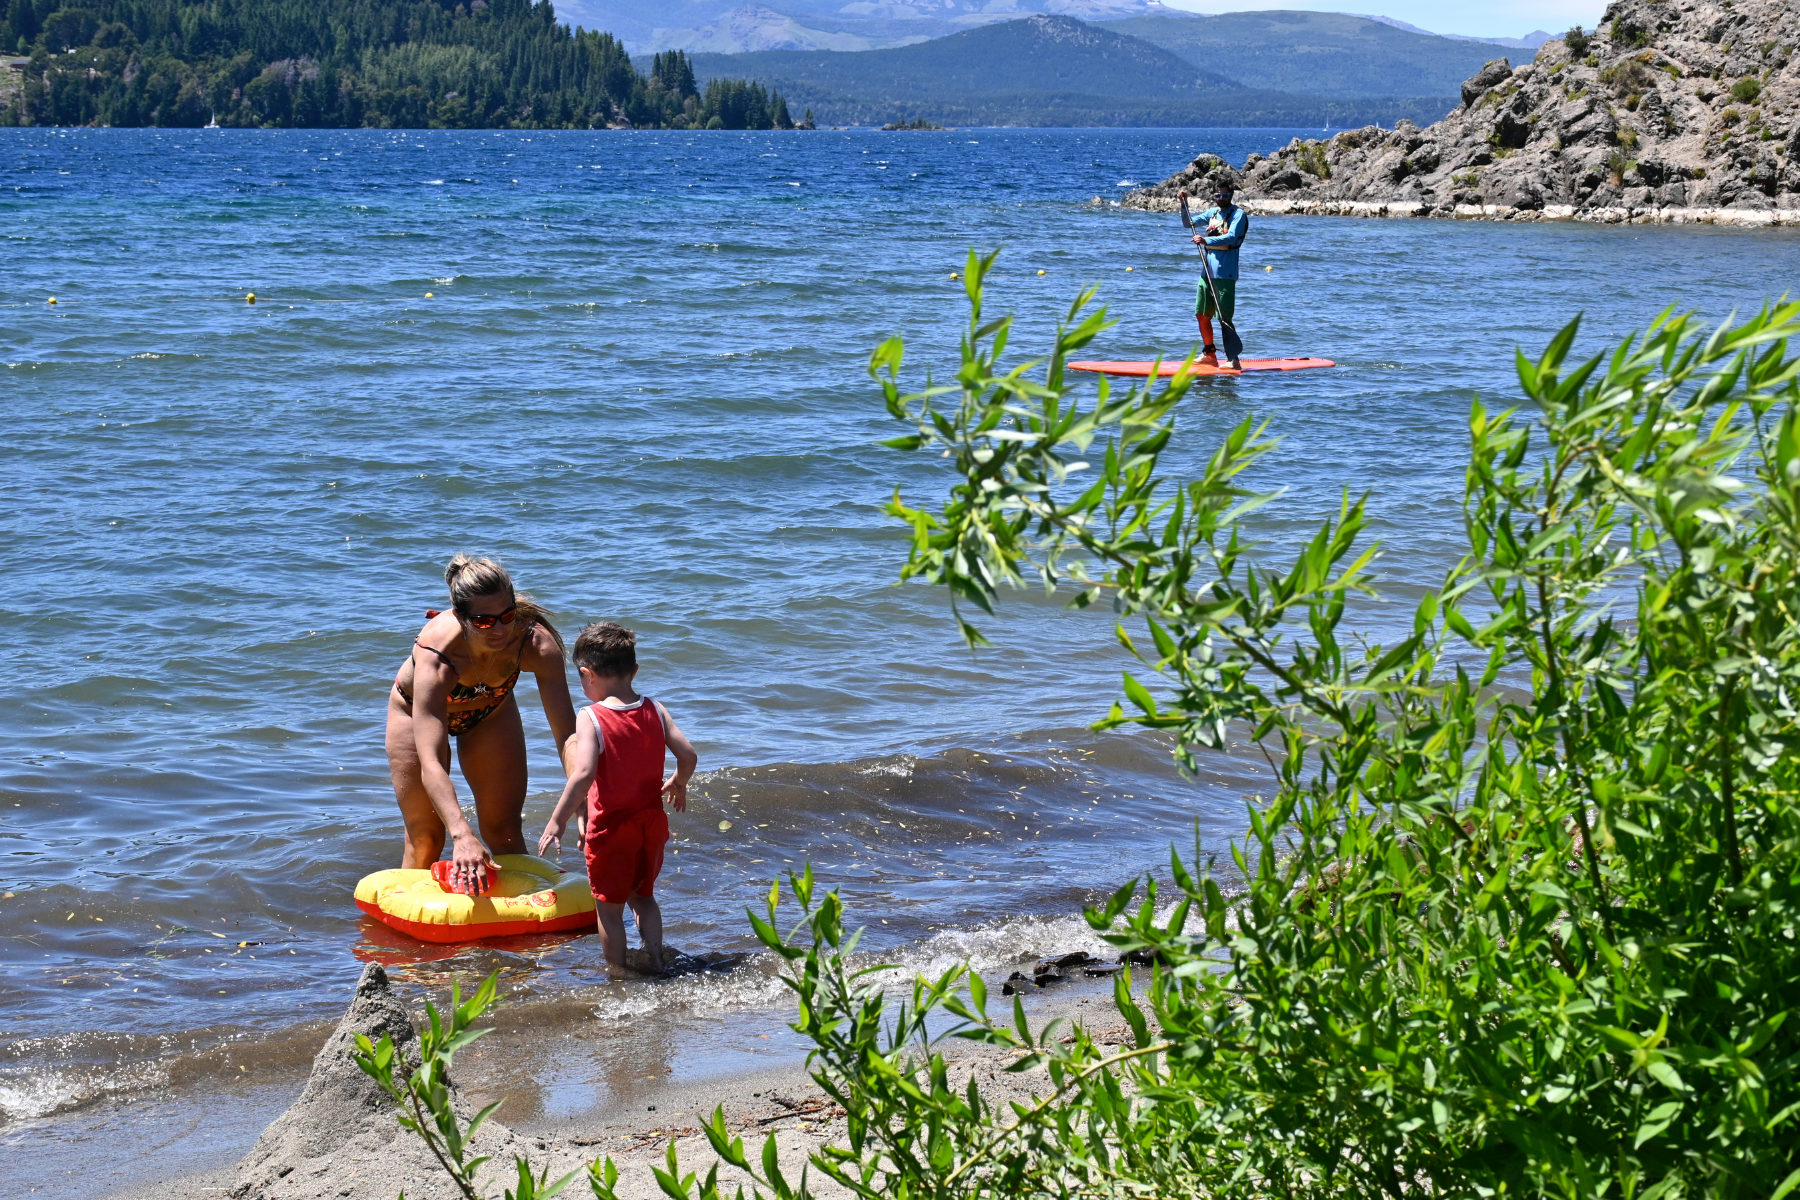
(625, 857)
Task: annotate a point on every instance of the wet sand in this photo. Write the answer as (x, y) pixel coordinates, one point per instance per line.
(635, 1131)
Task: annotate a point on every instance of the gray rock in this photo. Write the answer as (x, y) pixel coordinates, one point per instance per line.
(340, 1139)
(1494, 71)
(1643, 128)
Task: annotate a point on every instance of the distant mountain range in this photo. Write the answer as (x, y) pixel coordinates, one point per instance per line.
(1054, 70)
(1320, 54)
(1530, 41)
(734, 26)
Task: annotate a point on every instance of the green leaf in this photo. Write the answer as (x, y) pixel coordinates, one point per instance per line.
(1139, 695)
(1657, 1120)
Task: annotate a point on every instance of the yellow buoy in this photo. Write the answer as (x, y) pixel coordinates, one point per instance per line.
(51, 300)
(1268, 268)
(250, 299)
(428, 295)
(1040, 272)
(953, 275)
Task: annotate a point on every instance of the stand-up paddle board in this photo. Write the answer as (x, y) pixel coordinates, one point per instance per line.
(1141, 370)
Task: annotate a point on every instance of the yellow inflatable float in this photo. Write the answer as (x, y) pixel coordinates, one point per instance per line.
(532, 895)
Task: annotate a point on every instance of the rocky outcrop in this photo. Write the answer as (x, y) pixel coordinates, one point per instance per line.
(340, 1139)
(1670, 112)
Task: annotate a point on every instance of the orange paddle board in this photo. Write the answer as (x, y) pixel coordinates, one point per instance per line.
(1142, 369)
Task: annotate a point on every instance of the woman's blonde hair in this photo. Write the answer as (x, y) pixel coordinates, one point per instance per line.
(469, 577)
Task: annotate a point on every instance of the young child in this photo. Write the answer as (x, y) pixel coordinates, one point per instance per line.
(617, 766)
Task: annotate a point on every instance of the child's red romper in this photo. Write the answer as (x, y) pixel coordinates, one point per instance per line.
(626, 825)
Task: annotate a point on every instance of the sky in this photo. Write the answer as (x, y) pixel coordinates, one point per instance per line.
(1477, 18)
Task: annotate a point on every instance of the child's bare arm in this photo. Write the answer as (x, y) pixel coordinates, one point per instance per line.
(584, 763)
(675, 786)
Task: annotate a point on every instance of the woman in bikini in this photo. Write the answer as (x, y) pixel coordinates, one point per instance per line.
(458, 683)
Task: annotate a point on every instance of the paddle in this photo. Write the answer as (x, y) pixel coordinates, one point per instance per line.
(1234, 345)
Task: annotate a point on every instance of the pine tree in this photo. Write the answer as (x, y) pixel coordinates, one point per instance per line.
(336, 63)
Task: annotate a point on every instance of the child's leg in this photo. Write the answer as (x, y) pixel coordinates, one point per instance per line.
(649, 923)
(612, 931)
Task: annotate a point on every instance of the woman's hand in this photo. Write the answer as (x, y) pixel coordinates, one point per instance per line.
(471, 862)
(553, 831)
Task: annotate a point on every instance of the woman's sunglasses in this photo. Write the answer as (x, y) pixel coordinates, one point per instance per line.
(489, 620)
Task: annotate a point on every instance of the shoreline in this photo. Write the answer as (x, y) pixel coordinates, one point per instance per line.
(1742, 218)
(634, 1129)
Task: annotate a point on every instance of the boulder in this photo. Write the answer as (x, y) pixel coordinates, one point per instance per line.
(1648, 105)
(340, 1139)
(1495, 71)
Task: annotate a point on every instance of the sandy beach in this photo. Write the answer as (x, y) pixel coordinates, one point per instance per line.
(340, 1140)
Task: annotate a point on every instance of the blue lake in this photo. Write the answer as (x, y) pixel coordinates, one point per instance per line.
(633, 366)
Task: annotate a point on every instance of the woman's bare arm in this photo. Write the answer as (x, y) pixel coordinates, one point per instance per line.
(544, 659)
(432, 680)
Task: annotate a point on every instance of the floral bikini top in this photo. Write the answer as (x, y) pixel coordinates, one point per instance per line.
(462, 693)
(493, 694)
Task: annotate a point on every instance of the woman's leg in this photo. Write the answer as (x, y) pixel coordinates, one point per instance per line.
(492, 756)
(424, 831)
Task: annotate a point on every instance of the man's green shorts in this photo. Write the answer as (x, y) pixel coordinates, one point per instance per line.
(1217, 298)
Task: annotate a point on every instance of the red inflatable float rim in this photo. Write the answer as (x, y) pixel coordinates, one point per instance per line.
(441, 934)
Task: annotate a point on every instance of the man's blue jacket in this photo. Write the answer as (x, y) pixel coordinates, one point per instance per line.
(1225, 229)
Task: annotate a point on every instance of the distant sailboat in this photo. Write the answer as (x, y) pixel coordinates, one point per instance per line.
(212, 121)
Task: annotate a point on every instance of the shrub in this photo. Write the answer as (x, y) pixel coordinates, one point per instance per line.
(1311, 159)
(1628, 77)
(1522, 904)
(1577, 42)
(1746, 89)
(1730, 116)
(1629, 35)
(1496, 941)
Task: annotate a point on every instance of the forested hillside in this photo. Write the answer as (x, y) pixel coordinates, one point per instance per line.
(479, 64)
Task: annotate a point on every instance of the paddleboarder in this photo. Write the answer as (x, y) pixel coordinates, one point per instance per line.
(1218, 231)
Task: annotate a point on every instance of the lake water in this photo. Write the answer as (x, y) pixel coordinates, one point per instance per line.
(639, 379)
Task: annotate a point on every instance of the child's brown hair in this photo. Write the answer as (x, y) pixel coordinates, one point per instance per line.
(607, 649)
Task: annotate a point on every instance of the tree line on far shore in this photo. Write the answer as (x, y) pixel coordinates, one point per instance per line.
(450, 64)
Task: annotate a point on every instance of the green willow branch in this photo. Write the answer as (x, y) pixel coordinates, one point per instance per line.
(1043, 1106)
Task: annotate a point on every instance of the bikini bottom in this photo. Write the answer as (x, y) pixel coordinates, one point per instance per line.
(462, 722)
